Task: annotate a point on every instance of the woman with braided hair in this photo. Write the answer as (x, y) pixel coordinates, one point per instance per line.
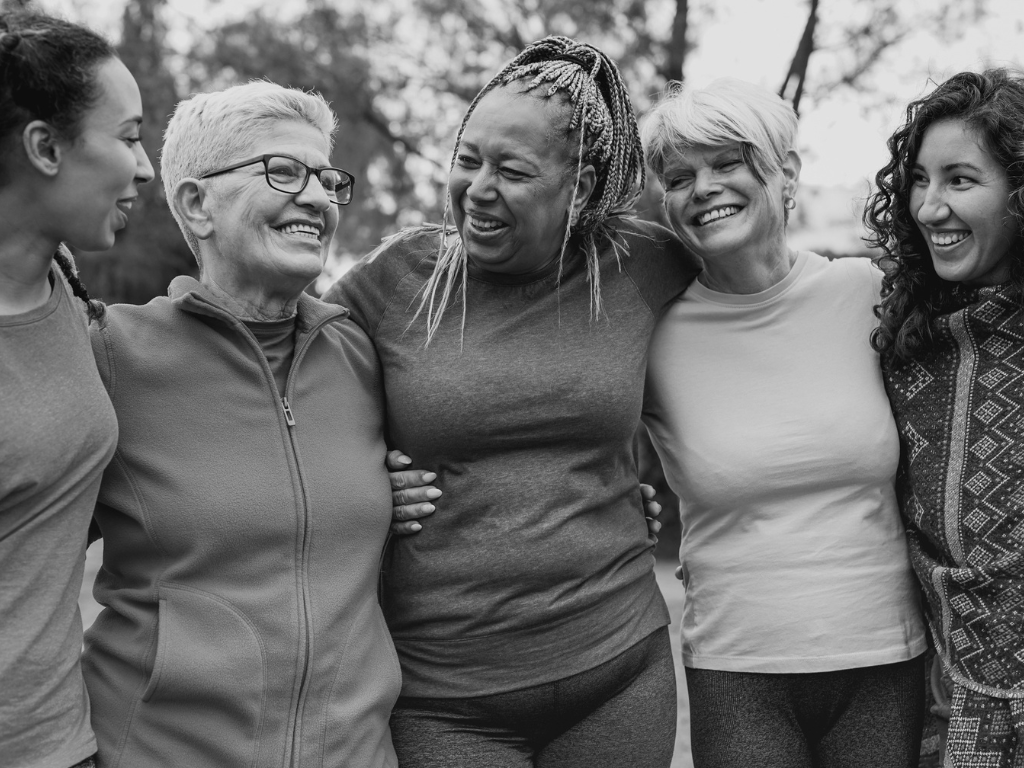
(70, 165)
(526, 616)
(949, 218)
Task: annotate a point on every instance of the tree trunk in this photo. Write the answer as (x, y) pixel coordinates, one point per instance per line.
(676, 53)
(793, 86)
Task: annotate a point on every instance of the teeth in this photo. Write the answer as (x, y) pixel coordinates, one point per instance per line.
(485, 225)
(716, 214)
(948, 238)
(300, 229)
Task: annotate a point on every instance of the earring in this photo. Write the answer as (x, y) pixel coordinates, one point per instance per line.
(789, 203)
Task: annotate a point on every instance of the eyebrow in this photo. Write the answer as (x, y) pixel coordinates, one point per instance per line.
(503, 156)
(956, 166)
(962, 164)
(135, 119)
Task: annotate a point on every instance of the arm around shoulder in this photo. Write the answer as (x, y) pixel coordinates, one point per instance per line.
(660, 265)
(368, 288)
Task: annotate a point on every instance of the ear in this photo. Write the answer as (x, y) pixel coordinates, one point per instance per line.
(191, 203)
(42, 147)
(584, 189)
(791, 172)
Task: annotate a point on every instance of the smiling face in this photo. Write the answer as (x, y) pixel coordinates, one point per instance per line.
(102, 167)
(512, 183)
(959, 202)
(262, 238)
(718, 207)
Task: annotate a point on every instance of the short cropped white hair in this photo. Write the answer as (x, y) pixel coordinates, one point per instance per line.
(211, 130)
(727, 111)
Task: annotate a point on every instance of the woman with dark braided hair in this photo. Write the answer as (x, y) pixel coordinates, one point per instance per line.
(949, 218)
(526, 616)
(70, 165)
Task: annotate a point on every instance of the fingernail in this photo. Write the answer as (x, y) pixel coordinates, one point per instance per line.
(427, 507)
(433, 493)
(428, 477)
(416, 527)
(403, 459)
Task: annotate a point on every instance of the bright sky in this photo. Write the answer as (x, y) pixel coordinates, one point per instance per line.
(842, 136)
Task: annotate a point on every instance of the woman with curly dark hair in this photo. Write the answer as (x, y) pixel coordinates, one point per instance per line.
(949, 217)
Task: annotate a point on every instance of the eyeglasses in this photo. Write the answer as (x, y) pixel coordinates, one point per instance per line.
(286, 174)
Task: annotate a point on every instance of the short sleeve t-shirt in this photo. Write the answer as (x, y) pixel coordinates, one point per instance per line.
(772, 423)
(57, 433)
(536, 564)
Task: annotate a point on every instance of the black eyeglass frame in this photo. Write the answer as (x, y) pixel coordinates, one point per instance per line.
(265, 159)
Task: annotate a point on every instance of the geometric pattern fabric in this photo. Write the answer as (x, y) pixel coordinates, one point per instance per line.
(960, 413)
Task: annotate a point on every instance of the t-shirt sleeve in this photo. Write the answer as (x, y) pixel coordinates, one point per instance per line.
(659, 264)
(358, 291)
(368, 288)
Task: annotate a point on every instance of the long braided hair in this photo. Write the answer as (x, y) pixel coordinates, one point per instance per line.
(48, 72)
(602, 118)
(992, 104)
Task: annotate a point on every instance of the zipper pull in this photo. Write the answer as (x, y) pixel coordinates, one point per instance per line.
(288, 416)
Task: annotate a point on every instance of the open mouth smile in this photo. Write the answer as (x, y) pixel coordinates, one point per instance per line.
(302, 230)
(716, 214)
(485, 225)
(948, 239)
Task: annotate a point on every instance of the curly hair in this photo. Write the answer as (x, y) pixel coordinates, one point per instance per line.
(48, 72)
(991, 103)
(601, 119)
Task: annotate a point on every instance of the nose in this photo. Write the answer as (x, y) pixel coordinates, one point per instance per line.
(933, 209)
(143, 168)
(481, 187)
(314, 194)
(705, 183)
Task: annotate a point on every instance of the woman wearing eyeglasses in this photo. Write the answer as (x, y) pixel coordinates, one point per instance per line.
(247, 503)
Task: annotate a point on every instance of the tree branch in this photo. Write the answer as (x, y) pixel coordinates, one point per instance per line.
(793, 85)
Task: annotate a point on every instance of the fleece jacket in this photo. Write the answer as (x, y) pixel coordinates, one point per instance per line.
(242, 535)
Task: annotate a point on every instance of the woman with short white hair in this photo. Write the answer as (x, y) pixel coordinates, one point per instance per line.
(802, 636)
(247, 504)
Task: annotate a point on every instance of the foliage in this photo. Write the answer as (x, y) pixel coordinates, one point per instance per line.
(150, 251)
(327, 51)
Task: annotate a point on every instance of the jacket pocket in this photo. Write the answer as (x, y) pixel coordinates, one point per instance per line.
(205, 699)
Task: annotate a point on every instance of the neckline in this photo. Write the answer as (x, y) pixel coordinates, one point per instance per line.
(701, 291)
(43, 310)
(537, 276)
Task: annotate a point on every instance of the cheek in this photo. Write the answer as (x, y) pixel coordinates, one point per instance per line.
(914, 203)
(457, 186)
(333, 218)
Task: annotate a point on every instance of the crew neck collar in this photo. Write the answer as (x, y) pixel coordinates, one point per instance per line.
(701, 291)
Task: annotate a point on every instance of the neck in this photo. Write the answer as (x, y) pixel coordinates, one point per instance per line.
(25, 258)
(749, 271)
(250, 302)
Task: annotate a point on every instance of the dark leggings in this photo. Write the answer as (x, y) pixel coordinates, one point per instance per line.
(89, 762)
(869, 717)
(621, 713)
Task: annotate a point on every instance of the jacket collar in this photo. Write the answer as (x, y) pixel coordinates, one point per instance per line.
(189, 295)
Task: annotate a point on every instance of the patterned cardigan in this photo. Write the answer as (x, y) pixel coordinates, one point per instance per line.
(960, 414)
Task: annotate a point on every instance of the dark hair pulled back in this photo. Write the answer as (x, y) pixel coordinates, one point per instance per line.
(991, 103)
(47, 72)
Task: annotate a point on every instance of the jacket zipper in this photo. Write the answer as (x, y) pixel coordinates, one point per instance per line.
(289, 417)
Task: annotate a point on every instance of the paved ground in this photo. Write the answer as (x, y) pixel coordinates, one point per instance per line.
(670, 587)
